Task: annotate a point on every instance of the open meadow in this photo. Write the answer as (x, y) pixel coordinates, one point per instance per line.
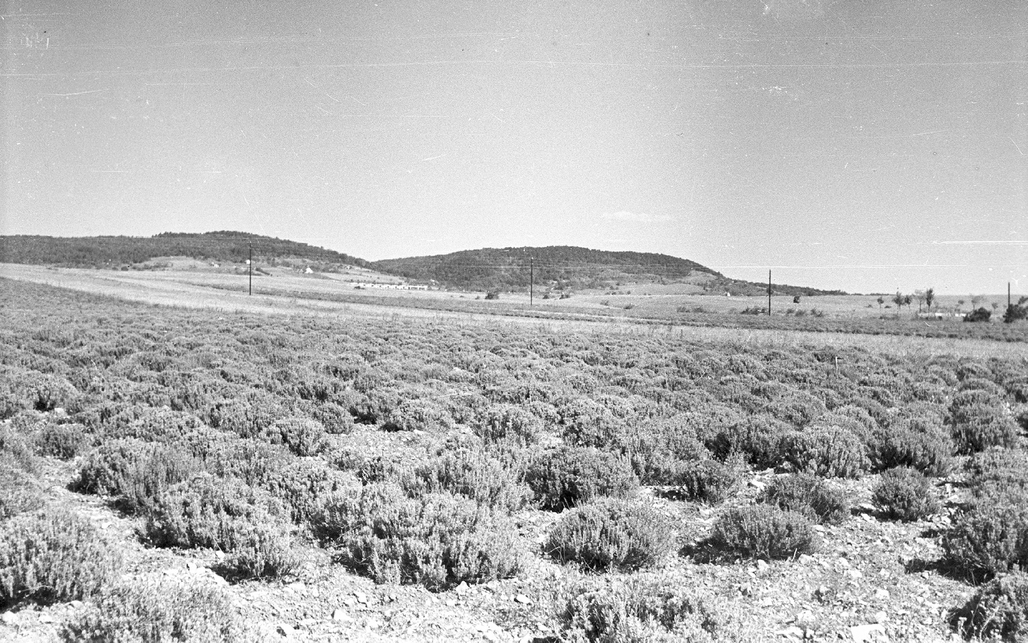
(320, 463)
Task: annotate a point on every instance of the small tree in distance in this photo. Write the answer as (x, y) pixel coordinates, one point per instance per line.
(898, 299)
(929, 297)
(880, 300)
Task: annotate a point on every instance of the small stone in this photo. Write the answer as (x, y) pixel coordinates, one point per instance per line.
(361, 597)
(881, 616)
(761, 565)
(521, 598)
(854, 573)
(191, 566)
(746, 589)
(372, 624)
(882, 594)
(462, 589)
(350, 601)
(8, 619)
(870, 633)
(451, 602)
(285, 631)
(46, 618)
(77, 603)
(339, 614)
(791, 632)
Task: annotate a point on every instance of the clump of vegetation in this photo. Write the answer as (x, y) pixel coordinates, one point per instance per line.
(19, 490)
(641, 610)
(471, 474)
(437, 540)
(809, 495)
(920, 443)
(710, 481)
(508, 423)
(134, 472)
(760, 438)
(155, 610)
(225, 514)
(828, 452)
(569, 476)
(978, 315)
(62, 441)
(764, 531)
(302, 436)
(53, 555)
(999, 609)
(905, 494)
(979, 420)
(611, 534)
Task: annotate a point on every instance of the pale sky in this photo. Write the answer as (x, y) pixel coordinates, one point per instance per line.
(855, 144)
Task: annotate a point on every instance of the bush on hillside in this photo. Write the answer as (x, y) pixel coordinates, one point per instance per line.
(62, 441)
(611, 534)
(641, 610)
(760, 438)
(472, 474)
(20, 491)
(569, 476)
(53, 555)
(763, 531)
(225, 514)
(989, 537)
(303, 436)
(437, 540)
(920, 442)
(135, 473)
(998, 610)
(979, 420)
(155, 610)
(508, 423)
(829, 452)
(709, 481)
(304, 484)
(905, 494)
(808, 495)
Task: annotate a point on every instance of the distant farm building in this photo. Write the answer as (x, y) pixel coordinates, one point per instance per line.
(365, 284)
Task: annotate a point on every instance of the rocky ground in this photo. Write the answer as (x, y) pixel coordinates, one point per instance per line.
(871, 580)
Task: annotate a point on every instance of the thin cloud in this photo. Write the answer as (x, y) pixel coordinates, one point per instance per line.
(635, 217)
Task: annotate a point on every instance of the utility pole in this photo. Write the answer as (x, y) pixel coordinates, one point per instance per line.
(1008, 294)
(769, 292)
(249, 264)
(531, 281)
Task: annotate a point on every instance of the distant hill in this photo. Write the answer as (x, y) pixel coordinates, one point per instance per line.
(100, 252)
(568, 268)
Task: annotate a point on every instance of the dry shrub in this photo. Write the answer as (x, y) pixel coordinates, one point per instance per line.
(438, 540)
(998, 610)
(225, 514)
(53, 555)
(905, 494)
(808, 495)
(764, 531)
(134, 472)
(569, 476)
(641, 610)
(828, 452)
(612, 534)
(155, 610)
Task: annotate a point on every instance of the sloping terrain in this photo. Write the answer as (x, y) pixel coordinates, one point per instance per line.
(568, 268)
(116, 251)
